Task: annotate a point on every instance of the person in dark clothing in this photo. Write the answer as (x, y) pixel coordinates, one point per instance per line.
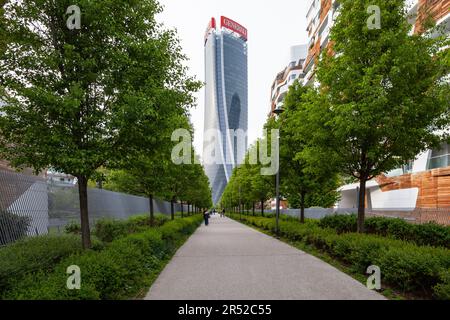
(206, 217)
(222, 214)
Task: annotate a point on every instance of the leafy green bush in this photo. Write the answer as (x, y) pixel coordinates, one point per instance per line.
(413, 268)
(340, 222)
(108, 229)
(424, 234)
(442, 290)
(73, 227)
(12, 227)
(122, 269)
(32, 255)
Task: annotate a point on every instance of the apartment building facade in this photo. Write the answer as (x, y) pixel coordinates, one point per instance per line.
(425, 181)
(285, 78)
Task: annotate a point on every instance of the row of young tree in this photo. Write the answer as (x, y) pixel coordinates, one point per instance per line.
(382, 97)
(160, 178)
(105, 94)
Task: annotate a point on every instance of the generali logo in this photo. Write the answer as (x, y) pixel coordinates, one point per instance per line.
(234, 26)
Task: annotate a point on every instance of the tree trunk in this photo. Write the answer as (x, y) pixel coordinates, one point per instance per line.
(262, 208)
(152, 213)
(253, 208)
(182, 209)
(302, 207)
(84, 214)
(189, 209)
(172, 211)
(361, 204)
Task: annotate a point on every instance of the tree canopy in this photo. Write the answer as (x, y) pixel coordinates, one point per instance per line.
(381, 100)
(80, 99)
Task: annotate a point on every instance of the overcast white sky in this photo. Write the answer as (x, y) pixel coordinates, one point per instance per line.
(273, 27)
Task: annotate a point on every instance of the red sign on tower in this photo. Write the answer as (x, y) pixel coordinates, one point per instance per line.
(234, 26)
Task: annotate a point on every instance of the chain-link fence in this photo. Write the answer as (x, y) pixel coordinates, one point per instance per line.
(29, 205)
(417, 215)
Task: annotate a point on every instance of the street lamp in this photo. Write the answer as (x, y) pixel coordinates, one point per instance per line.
(278, 111)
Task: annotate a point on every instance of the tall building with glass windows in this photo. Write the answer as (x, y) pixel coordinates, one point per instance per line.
(226, 101)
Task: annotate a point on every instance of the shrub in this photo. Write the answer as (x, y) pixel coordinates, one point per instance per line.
(108, 230)
(119, 271)
(32, 255)
(341, 223)
(413, 268)
(432, 234)
(12, 227)
(73, 227)
(425, 234)
(442, 290)
(404, 265)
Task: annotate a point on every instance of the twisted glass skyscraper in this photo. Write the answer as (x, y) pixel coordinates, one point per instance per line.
(226, 102)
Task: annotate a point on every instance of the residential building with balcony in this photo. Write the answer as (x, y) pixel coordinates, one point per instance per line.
(285, 78)
(425, 181)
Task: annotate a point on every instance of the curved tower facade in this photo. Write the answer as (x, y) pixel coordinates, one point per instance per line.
(226, 101)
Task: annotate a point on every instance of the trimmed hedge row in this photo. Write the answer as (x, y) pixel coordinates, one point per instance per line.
(404, 265)
(36, 254)
(422, 234)
(108, 229)
(126, 266)
(41, 254)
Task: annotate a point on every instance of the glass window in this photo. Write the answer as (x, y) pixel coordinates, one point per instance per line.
(440, 158)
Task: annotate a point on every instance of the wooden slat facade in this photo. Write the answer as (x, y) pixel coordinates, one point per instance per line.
(433, 185)
(434, 9)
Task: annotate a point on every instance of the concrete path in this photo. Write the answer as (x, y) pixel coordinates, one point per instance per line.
(230, 261)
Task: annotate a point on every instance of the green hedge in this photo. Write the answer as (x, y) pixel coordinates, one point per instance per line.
(422, 234)
(126, 266)
(404, 265)
(35, 254)
(40, 254)
(108, 230)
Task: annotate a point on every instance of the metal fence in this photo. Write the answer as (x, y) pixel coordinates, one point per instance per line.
(29, 205)
(416, 215)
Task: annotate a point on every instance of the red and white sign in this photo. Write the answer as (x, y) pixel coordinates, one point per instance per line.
(211, 25)
(234, 26)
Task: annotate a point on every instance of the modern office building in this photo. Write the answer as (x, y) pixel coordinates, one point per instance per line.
(425, 181)
(226, 101)
(285, 78)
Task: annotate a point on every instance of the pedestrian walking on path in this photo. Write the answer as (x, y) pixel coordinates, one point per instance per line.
(206, 217)
(222, 213)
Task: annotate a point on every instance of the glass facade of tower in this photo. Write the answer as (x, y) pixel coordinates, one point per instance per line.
(226, 107)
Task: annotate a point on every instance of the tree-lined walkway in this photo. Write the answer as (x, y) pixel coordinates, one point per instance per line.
(228, 260)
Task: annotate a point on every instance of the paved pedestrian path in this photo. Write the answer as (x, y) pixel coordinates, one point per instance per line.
(230, 261)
